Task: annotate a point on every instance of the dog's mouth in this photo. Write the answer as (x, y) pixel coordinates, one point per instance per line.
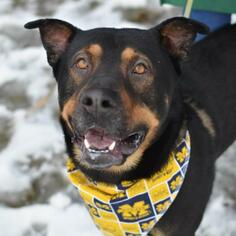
(101, 150)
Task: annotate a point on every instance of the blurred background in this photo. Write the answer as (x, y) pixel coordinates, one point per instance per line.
(36, 198)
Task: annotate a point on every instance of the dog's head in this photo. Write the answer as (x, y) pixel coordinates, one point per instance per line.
(115, 87)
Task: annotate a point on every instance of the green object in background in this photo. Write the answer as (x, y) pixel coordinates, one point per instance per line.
(226, 6)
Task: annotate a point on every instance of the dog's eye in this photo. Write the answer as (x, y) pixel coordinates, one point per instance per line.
(140, 69)
(82, 64)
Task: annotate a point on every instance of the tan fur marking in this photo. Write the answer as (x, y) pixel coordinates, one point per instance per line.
(128, 54)
(205, 119)
(126, 100)
(95, 50)
(68, 109)
(156, 232)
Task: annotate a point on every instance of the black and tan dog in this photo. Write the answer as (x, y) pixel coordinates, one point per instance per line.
(126, 96)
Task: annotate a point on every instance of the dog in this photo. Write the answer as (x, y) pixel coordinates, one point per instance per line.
(129, 98)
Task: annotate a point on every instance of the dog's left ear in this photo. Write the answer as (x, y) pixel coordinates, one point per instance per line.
(177, 35)
(56, 36)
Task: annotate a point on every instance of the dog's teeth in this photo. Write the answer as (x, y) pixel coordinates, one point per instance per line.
(86, 144)
(112, 146)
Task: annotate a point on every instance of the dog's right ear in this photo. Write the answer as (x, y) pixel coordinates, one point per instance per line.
(55, 35)
(178, 34)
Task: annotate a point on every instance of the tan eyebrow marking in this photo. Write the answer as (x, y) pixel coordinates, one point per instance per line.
(95, 50)
(128, 54)
(68, 109)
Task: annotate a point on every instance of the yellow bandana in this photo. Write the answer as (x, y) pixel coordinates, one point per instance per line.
(132, 208)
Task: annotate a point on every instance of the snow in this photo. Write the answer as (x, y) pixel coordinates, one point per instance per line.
(36, 220)
(35, 194)
(222, 212)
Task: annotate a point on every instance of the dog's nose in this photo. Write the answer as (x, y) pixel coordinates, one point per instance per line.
(98, 100)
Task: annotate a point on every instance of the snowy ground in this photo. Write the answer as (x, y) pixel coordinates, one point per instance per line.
(35, 196)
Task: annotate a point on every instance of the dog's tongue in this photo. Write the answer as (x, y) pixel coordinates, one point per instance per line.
(97, 139)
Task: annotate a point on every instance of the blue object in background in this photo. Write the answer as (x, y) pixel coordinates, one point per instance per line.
(214, 20)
